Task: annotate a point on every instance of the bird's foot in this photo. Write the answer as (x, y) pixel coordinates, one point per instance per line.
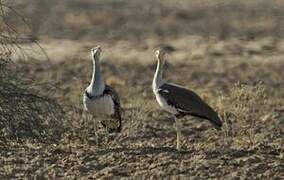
(178, 146)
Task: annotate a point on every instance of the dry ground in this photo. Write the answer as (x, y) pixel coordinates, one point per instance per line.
(235, 61)
(245, 88)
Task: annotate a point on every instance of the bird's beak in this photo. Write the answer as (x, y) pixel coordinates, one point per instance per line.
(160, 55)
(96, 49)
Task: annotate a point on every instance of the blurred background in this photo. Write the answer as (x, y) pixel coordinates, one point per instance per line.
(149, 24)
(135, 20)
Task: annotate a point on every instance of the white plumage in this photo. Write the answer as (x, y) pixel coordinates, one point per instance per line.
(99, 106)
(101, 100)
(179, 101)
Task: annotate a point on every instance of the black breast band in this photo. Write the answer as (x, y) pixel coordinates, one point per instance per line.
(88, 95)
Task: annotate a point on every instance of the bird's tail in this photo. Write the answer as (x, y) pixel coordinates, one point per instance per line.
(114, 125)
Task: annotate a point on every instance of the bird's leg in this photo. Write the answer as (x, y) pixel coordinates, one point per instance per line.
(178, 129)
(96, 132)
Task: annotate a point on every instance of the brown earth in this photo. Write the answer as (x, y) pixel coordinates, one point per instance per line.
(145, 148)
(239, 74)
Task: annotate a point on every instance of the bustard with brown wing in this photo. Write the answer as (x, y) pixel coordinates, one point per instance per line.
(101, 100)
(179, 101)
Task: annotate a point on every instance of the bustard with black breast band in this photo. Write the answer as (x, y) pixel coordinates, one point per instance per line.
(179, 101)
(101, 100)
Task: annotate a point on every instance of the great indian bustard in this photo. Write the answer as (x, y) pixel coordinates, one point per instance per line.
(179, 101)
(100, 99)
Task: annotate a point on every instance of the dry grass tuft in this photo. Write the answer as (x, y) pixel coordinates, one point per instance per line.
(243, 110)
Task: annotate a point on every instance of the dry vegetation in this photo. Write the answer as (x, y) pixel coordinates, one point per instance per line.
(231, 53)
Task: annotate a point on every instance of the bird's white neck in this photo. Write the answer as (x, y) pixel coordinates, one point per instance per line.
(158, 77)
(97, 85)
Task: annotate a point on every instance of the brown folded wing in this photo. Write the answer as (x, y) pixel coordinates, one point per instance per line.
(188, 102)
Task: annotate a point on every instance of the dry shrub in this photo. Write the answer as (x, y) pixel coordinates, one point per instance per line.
(24, 113)
(242, 110)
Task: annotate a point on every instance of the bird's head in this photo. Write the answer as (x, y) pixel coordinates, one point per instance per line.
(96, 51)
(161, 56)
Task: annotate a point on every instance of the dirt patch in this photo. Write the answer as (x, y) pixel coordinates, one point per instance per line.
(230, 53)
(241, 89)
